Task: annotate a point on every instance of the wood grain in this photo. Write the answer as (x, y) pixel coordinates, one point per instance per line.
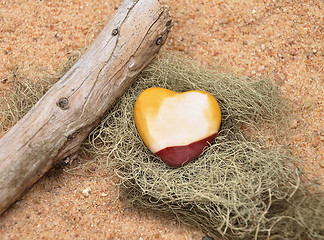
(56, 126)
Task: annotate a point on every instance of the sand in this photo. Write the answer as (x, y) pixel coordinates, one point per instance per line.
(280, 39)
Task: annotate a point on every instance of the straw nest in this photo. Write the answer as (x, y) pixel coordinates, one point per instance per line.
(245, 185)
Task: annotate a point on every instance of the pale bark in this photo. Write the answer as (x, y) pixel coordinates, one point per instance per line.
(56, 126)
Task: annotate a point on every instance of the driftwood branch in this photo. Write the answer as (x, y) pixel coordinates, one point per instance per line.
(56, 126)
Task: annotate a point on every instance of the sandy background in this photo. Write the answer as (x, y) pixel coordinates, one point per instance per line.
(283, 39)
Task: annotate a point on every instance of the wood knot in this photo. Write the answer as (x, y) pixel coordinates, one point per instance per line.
(114, 32)
(63, 103)
(158, 41)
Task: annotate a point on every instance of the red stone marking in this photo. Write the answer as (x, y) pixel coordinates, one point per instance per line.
(177, 156)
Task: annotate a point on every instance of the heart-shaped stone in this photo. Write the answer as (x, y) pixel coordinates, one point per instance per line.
(176, 126)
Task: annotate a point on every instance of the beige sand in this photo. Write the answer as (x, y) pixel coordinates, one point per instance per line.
(282, 39)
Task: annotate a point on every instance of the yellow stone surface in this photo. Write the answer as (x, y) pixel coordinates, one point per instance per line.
(166, 118)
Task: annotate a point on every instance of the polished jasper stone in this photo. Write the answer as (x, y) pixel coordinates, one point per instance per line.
(176, 126)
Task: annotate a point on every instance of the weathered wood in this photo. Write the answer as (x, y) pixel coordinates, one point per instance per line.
(56, 126)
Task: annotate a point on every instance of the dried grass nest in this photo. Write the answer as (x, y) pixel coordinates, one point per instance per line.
(245, 185)
(240, 187)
